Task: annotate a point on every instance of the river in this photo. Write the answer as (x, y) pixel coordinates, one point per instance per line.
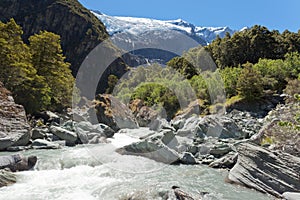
(93, 172)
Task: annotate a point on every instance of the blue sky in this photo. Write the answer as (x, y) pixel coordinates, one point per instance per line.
(274, 14)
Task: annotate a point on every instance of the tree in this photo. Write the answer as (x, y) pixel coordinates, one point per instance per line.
(183, 66)
(48, 60)
(230, 76)
(17, 72)
(249, 84)
(112, 81)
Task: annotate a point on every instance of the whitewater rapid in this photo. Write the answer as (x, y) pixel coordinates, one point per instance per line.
(96, 172)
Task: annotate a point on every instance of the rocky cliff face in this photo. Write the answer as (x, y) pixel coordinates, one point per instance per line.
(79, 29)
(14, 129)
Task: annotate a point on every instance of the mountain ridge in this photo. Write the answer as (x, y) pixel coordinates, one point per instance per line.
(137, 25)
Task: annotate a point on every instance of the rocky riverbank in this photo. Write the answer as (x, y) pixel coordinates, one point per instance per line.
(220, 141)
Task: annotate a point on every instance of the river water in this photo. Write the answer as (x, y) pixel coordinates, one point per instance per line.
(93, 172)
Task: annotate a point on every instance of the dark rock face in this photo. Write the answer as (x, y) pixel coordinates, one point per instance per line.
(266, 171)
(14, 128)
(79, 29)
(112, 112)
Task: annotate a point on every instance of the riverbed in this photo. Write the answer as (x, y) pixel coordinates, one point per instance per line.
(93, 172)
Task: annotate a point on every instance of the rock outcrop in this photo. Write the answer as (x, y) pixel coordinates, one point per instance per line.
(266, 171)
(142, 113)
(112, 112)
(14, 128)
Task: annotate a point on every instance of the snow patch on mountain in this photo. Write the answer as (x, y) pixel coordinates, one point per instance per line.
(137, 26)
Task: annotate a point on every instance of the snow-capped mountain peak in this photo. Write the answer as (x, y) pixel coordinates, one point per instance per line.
(136, 26)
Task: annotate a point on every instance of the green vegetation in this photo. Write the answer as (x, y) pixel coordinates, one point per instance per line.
(249, 83)
(250, 64)
(48, 60)
(251, 45)
(36, 74)
(157, 95)
(160, 88)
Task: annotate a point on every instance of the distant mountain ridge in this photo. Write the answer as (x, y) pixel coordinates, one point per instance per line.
(135, 26)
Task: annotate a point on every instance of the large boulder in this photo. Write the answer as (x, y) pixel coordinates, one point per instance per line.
(220, 126)
(112, 112)
(266, 171)
(158, 147)
(17, 162)
(14, 127)
(93, 133)
(190, 128)
(69, 136)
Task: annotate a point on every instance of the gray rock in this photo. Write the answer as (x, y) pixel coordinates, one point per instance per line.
(220, 150)
(14, 128)
(178, 123)
(184, 144)
(159, 124)
(227, 161)
(266, 171)
(188, 158)
(82, 135)
(69, 125)
(190, 128)
(153, 150)
(7, 178)
(44, 144)
(86, 126)
(68, 136)
(106, 130)
(17, 162)
(291, 195)
(193, 149)
(102, 129)
(220, 126)
(168, 137)
(38, 133)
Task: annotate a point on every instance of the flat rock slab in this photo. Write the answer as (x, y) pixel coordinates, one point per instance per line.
(266, 171)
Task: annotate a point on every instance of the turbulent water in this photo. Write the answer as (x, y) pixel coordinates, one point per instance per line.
(96, 172)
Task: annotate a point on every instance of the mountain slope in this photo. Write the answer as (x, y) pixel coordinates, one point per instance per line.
(80, 30)
(151, 40)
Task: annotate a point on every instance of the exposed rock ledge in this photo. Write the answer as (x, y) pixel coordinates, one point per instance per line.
(266, 171)
(14, 128)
